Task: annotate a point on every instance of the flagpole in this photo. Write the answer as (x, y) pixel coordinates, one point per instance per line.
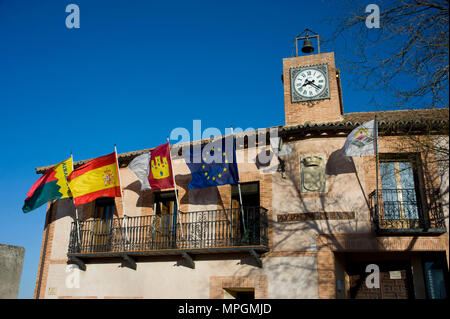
(125, 221)
(173, 176)
(376, 160)
(239, 186)
(175, 186)
(76, 209)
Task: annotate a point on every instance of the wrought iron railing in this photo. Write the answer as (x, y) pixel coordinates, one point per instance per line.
(202, 229)
(407, 210)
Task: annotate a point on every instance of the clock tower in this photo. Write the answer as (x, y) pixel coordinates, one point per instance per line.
(312, 90)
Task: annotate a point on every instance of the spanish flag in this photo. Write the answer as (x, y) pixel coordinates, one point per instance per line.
(52, 185)
(98, 177)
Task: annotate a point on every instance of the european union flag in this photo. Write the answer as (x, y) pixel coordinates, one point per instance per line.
(213, 164)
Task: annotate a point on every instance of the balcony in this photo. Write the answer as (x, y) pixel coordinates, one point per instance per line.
(407, 211)
(213, 231)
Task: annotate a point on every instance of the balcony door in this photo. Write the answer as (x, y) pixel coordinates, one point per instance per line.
(102, 224)
(166, 217)
(399, 190)
(246, 227)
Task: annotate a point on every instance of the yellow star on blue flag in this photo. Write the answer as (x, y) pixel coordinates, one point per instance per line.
(213, 164)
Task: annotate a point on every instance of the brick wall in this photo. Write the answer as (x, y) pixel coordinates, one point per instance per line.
(327, 245)
(44, 259)
(326, 110)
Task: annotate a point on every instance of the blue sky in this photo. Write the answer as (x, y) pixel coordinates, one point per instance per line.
(134, 71)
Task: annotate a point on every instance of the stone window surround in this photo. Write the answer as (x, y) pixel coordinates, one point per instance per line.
(217, 284)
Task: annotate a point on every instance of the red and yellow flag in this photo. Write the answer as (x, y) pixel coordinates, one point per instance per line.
(160, 175)
(98, 177)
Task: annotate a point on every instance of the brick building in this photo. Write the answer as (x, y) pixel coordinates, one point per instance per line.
(308, 230)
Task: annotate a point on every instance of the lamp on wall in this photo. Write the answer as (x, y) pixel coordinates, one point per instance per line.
(275, 143)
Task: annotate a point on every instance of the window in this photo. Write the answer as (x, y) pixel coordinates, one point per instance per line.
(399, 186)
(435, 275)
(239, 293)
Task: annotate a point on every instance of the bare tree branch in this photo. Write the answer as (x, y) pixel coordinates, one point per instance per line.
(406, 58)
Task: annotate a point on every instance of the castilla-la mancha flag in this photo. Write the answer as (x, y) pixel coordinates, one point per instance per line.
(160, 175)
(97, 178)
(361, 141)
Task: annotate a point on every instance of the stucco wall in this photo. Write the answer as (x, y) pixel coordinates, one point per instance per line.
(65, 215)
(288, 277)
(11, 264)
(345, 193)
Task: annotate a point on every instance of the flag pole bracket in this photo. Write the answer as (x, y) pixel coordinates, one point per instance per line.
(77, 261)
(256, 256)
(129, 262)
(190, 262)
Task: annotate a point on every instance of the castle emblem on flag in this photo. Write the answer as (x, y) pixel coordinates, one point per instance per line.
(362, 137)
(160, 175)
(361, 140)
(160, 169)
(108, 178)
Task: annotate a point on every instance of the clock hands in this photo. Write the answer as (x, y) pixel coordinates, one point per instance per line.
(310, 83)
(306, 82)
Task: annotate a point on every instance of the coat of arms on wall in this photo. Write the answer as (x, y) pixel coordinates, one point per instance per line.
(312, 173)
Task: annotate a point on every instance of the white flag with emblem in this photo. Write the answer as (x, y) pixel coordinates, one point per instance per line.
(361, 141)
(140, 166)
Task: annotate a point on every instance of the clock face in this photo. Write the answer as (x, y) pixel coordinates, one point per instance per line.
(309, 83)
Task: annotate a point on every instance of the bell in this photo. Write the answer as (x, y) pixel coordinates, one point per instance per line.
(307, 46)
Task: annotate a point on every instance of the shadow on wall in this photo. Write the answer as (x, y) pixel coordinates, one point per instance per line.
(202, 196)
(339, 164)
